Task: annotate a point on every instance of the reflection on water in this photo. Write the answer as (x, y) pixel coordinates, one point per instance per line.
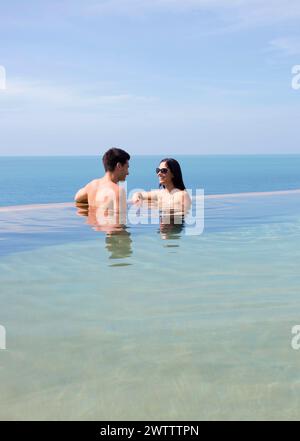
(118, 244)
(210, 324)
(171, 226)
(118, 240)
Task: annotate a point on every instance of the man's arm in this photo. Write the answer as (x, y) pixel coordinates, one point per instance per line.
(81, 196)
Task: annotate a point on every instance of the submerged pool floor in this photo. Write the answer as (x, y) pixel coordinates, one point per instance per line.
(149, 326)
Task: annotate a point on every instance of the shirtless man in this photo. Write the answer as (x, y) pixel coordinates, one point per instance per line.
(105, 193)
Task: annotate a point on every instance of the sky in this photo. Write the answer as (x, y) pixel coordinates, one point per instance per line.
(149, 76)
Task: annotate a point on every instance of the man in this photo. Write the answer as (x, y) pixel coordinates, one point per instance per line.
(105, 193)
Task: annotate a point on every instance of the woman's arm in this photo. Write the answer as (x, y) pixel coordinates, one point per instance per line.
(187, 201)
(182, 201)
(145, 196)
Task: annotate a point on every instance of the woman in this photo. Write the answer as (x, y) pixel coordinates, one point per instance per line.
(173, 194)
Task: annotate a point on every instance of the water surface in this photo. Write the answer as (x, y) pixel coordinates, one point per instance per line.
(151, 324)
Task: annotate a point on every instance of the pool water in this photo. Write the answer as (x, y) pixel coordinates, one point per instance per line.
(151, 323)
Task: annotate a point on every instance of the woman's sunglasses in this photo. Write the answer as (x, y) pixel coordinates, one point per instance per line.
(163, 171)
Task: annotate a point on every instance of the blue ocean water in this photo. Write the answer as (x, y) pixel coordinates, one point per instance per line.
(32, 180)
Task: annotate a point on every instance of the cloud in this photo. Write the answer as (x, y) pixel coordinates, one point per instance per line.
(286, 45)
(53, 118)
(24, 94)
(218, 16)
(236, 12)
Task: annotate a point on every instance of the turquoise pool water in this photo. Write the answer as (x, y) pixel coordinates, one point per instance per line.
(152, 324)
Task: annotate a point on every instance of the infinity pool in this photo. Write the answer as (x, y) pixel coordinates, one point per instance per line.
(151, 323)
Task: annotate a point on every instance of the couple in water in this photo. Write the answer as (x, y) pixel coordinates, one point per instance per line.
(107, 195)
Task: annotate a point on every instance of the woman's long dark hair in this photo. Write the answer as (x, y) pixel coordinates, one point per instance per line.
(175, 169)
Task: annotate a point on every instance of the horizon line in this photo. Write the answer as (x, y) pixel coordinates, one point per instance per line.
(148, 154)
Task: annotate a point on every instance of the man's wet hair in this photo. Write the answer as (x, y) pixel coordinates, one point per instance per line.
(114, 156)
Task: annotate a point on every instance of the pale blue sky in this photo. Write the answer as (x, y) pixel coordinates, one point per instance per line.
(151, 76)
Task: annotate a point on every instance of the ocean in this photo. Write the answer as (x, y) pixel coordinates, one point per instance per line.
(151, 323)
(35, 180)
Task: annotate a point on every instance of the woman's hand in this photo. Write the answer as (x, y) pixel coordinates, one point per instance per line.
(137, 198)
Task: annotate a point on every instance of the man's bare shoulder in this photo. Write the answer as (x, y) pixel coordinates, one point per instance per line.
(94, 183)
(108, 185)
(100, 185)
